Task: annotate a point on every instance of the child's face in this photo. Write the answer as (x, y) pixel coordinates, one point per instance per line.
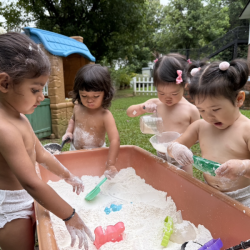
(27, 95)
(91, 99)
(218, 111)
(170, 94)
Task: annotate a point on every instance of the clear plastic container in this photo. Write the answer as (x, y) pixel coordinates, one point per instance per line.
(160, 142)
(151, 124)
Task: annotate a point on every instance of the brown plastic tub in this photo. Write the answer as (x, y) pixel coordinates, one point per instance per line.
(201, 204)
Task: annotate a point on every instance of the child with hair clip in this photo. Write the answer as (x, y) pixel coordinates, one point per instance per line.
(223, 132)
(170, 78)
(92, 95)
(24, 71)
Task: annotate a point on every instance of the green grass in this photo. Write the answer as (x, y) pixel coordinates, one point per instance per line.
(129, 129)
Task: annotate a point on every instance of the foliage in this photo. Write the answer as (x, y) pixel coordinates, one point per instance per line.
(235, 9)
(192, 24)
(111, 28)
(122, 77)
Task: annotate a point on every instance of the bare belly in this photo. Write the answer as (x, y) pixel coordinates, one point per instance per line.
(84, 139)
(226, 185)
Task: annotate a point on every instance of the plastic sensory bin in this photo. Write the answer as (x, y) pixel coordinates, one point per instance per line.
(199, 203)
(111, 233)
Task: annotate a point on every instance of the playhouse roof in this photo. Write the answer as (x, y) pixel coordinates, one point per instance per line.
(245, 14)
(57, 44)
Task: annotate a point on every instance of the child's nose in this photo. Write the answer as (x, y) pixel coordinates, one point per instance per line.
(41, 97)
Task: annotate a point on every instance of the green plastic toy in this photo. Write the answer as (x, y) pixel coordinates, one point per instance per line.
(92, 194)
(205, 165)
(167, 230)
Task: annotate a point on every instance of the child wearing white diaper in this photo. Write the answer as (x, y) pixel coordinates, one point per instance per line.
(24, 71)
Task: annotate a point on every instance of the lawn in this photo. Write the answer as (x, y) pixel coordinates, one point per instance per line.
(128, 127)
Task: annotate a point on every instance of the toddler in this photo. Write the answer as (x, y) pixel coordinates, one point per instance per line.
(223, 132)
(170, 78)
(24, 71)
(92, 95)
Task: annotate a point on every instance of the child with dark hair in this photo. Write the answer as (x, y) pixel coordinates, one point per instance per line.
(24, 71)
(223, 132)
(170, 78)
(92, 95)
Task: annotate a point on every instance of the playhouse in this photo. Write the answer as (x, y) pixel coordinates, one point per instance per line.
(67, 55)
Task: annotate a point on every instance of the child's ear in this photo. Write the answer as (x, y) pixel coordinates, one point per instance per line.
(240, 99)
(4, 82)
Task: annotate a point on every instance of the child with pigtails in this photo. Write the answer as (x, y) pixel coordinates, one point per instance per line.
(170, 78)
(223, 132)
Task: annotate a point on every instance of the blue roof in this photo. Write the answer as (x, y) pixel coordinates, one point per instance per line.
(57, 44)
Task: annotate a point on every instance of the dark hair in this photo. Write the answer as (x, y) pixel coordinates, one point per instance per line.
(93, 77)
(21, 58)
(211, 81)
(165, 69)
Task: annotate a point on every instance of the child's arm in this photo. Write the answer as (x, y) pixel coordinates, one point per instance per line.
(13, 150)
(70, 128)
(149, 106)
(49, 161)
(114, 139)
(179, 149)
(233, 169)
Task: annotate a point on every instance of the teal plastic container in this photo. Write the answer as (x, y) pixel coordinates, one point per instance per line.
(205, 165)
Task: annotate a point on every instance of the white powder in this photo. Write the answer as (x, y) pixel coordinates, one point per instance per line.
(134, 112)
(81, 136)
(143, 212)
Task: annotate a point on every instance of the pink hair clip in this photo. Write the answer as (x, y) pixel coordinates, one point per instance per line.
(156, 60)
(194, 71)
(179, 78)
(224, 66)
(189, 61)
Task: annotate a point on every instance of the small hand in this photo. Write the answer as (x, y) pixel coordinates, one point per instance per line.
(232, 169)
(181, 153)
(76, 227)
(110, 172)
(76, 182)
(68, 135)
(150, 107)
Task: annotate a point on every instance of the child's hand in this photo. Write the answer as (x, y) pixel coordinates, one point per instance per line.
(232, 169)
(67, 135)
(77, 227)
(76, 182)
(111, 172)
(150, 107)
(181, 153)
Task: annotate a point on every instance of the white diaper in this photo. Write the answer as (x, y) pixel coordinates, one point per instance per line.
(72, 147)
(242, 195)
(16, 204)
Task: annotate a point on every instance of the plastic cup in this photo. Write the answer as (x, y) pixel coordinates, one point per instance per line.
(151, 124)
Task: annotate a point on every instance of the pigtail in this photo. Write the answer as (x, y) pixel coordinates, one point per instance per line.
(239, 71)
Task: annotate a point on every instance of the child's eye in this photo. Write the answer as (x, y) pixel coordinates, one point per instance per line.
(175, 94)
(96, 96)
(215, 110)
(84, 96)
(201, 111)
(35, 91)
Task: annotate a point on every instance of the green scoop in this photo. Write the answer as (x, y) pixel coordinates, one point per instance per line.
(92, 194)
(205, 165)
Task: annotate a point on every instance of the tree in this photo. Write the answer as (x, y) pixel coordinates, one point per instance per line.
(109, 27)
(192, 24)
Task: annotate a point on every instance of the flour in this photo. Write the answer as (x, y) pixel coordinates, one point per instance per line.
(82, 137)
(143, 212)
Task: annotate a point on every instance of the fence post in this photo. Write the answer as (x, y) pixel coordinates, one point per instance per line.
(134, 80)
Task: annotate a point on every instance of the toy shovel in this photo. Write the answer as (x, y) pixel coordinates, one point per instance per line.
(55, 147)
(92, 194)
(205, 165)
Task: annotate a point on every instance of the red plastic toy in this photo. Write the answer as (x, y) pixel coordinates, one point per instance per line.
(112, 233)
